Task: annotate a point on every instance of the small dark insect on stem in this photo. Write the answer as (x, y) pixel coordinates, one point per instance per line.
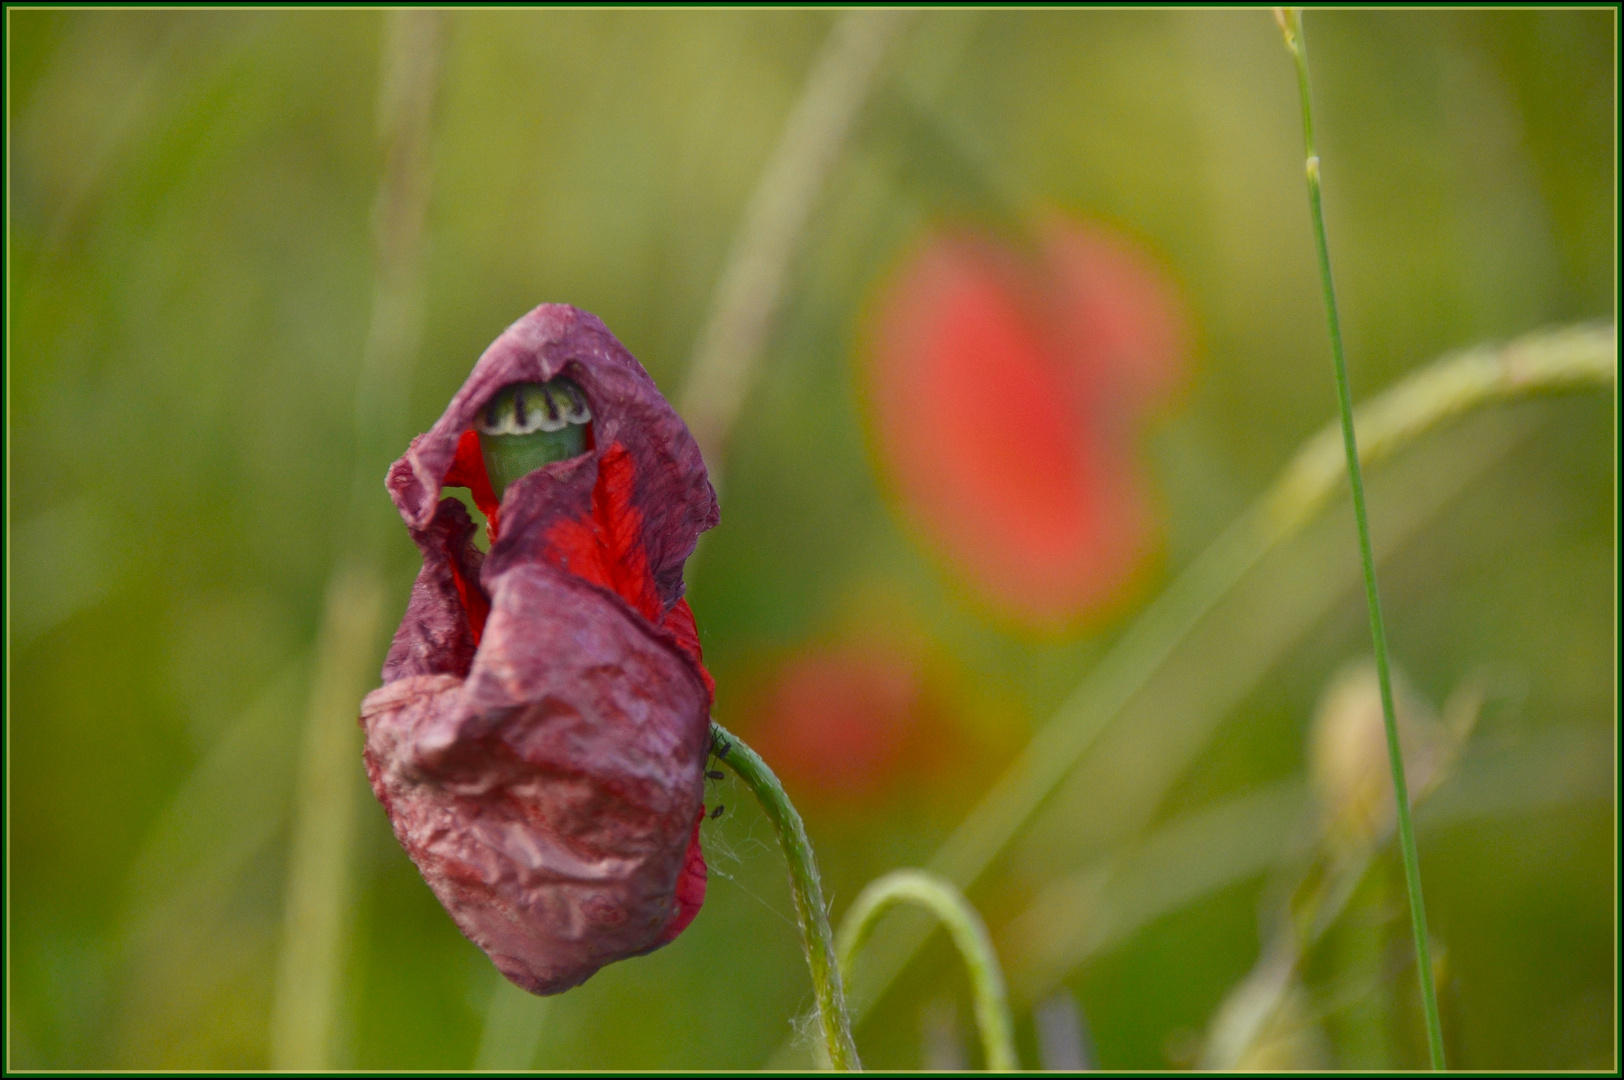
(720, 748)
(713, 774)
(714, 814)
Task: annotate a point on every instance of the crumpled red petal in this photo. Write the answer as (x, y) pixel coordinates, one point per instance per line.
(540, 739)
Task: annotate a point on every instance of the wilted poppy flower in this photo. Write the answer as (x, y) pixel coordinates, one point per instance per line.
(1005, 395)
(540, 738)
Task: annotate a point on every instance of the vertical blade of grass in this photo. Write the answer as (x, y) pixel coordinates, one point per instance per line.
(753, 278)
(319, 890)
(515, 1024)
(319, 896)
(1290, 20)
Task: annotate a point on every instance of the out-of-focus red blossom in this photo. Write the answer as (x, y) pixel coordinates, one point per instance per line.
(842, 725)
(540, 738)
(1005, 395)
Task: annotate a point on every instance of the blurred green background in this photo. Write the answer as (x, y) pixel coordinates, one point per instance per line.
(192, 272)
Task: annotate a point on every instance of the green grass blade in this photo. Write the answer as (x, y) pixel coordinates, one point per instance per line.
(1291, 24)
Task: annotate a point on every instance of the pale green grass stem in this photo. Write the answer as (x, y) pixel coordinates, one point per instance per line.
(1291, 24)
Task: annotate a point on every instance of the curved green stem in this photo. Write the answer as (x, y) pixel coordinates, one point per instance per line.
(1291, 25)
(804, 886)
(969, 934)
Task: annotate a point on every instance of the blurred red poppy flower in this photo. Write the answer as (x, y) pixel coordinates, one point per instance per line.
(540, 738)
(1005, 395)
(852, 725)
(838, 722)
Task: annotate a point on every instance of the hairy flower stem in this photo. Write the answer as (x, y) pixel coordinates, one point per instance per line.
(806, 888)
(969, 934)
(1291, 25)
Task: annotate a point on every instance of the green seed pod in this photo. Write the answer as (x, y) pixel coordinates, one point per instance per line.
(528, 425)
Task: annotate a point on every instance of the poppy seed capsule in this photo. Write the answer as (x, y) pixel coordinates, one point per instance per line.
(540, 738)
(528, 425)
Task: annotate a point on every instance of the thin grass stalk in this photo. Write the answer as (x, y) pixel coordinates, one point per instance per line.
(1291, 25)
(811, 915)
(515, 1025)
(969, 935)
(318, 893)
(752, 282)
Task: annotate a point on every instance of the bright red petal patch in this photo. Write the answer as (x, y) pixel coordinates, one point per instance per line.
(690, 887)
(468, 470)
